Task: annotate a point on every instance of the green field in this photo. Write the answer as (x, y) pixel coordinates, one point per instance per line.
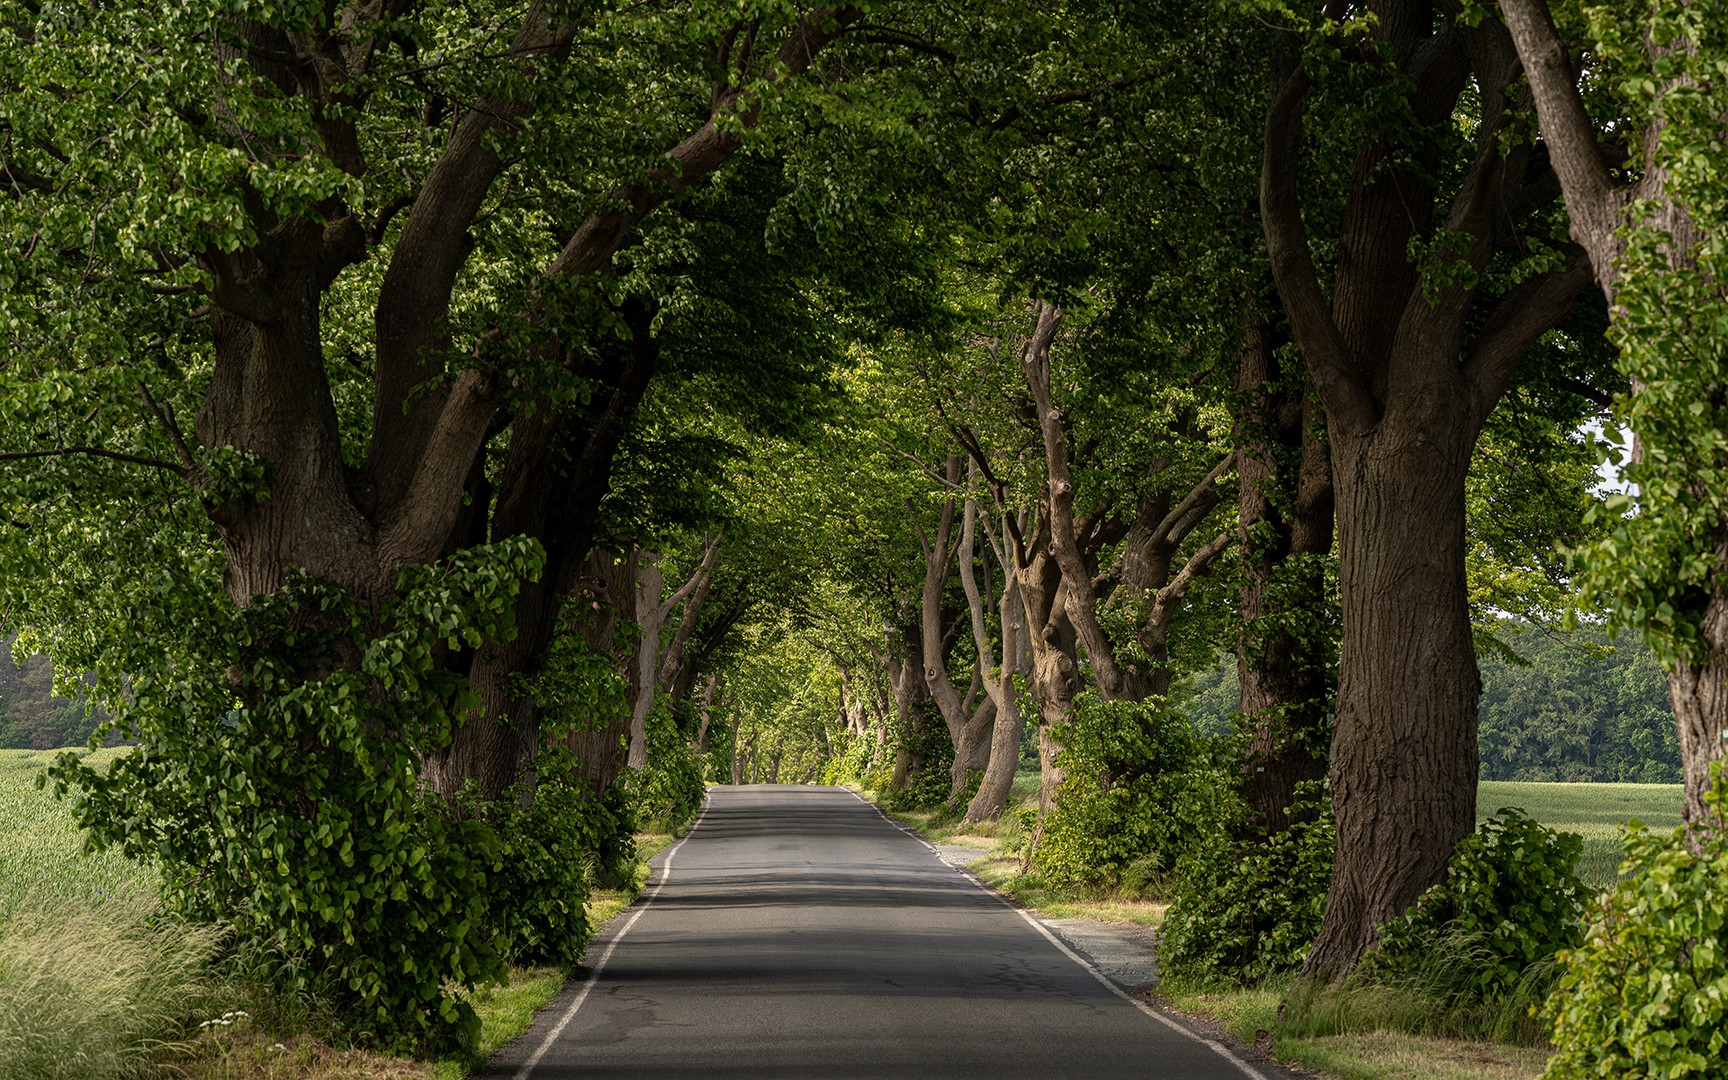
(1594, 811)
(39, 843)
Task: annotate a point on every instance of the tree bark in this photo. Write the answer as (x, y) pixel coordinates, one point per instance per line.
(597, 744)
(1601, 211)
(423, 491)
(1004, 760)
(652, 612)
(1406, 390)
(1284, 513)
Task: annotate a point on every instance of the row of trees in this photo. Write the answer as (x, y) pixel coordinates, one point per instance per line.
(443, 390)
(32, 716)
(1556, 706)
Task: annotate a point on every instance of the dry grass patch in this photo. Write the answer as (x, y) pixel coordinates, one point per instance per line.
(255, 1056)
(1100, 905)
(1388, 1055)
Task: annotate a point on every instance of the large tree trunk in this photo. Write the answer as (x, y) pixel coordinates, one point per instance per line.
(1408, 374)
(1284, 511)
(597, 743)
(913, 704)
(1404, 746)
(413, 499)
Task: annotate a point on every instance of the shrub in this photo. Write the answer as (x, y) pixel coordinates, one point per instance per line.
(1245, 903)
(536, 896)
(1646, 993)
(1127, 796)
(1511, 899)
(277, 783)
(669, 792)
(931, 747)
(851, 766)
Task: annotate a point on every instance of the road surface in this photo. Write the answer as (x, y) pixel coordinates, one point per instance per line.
(796, 932)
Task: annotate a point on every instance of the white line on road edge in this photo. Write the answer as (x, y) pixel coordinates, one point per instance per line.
(1247, 1070)
(600, 965)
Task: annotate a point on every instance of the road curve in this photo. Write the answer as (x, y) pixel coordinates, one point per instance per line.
(795, 932)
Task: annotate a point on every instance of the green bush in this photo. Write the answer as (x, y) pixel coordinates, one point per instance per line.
(852, 765)
(1246, 904)
(1511, 899)
(669, 792)
(1128, 795)
(536, 896)
(277, 781)
(1646, 993)
(930, 781)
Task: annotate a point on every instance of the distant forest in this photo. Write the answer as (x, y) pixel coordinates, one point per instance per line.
(1577, 708)
(31, 717)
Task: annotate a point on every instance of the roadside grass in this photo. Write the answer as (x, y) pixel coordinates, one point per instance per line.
(1360, 1032)
(1000, 867)
(95, 983)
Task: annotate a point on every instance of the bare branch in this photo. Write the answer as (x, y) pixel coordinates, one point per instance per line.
(94, 451)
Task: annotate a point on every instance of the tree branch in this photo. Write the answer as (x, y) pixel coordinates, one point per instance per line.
(1198, 565)
(591, 249)
(1327, 354)
(95, 451)
(417, 526)
(1593, 200)
(1522, 316)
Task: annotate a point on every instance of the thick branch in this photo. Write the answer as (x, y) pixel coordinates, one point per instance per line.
(1327, 354)
(1188, 513)
(1199, 565)
(1522, 316)
(414, 297)
(420, 522)
(1593, 200)
(696, 590)
(735, 111)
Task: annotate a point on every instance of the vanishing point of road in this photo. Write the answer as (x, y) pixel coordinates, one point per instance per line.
(795, 932)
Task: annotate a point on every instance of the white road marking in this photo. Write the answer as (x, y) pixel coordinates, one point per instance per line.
(600, 965)
(1247, 1070)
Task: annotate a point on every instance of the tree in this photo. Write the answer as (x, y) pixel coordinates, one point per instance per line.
(1655, 240)
(1432, 306)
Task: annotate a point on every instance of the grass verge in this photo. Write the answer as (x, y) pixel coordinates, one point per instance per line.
(93, 983)
(1355, 1035)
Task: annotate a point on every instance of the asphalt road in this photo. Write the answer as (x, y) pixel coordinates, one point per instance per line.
(795, 932)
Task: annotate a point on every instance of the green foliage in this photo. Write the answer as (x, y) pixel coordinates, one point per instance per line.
(852, 766)
(31, 715)
(535, 896)
(669, 792)
(291, 805)
(1246, 903)
(931, 750)
(1575, 707)
(1129, 797)
(1656, 569)
(1645, 995)
(1511, 899)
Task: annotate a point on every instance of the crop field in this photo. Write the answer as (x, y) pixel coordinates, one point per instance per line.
(40, 855)
(1594, 811)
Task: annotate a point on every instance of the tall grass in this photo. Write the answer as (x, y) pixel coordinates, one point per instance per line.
(95, 991)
